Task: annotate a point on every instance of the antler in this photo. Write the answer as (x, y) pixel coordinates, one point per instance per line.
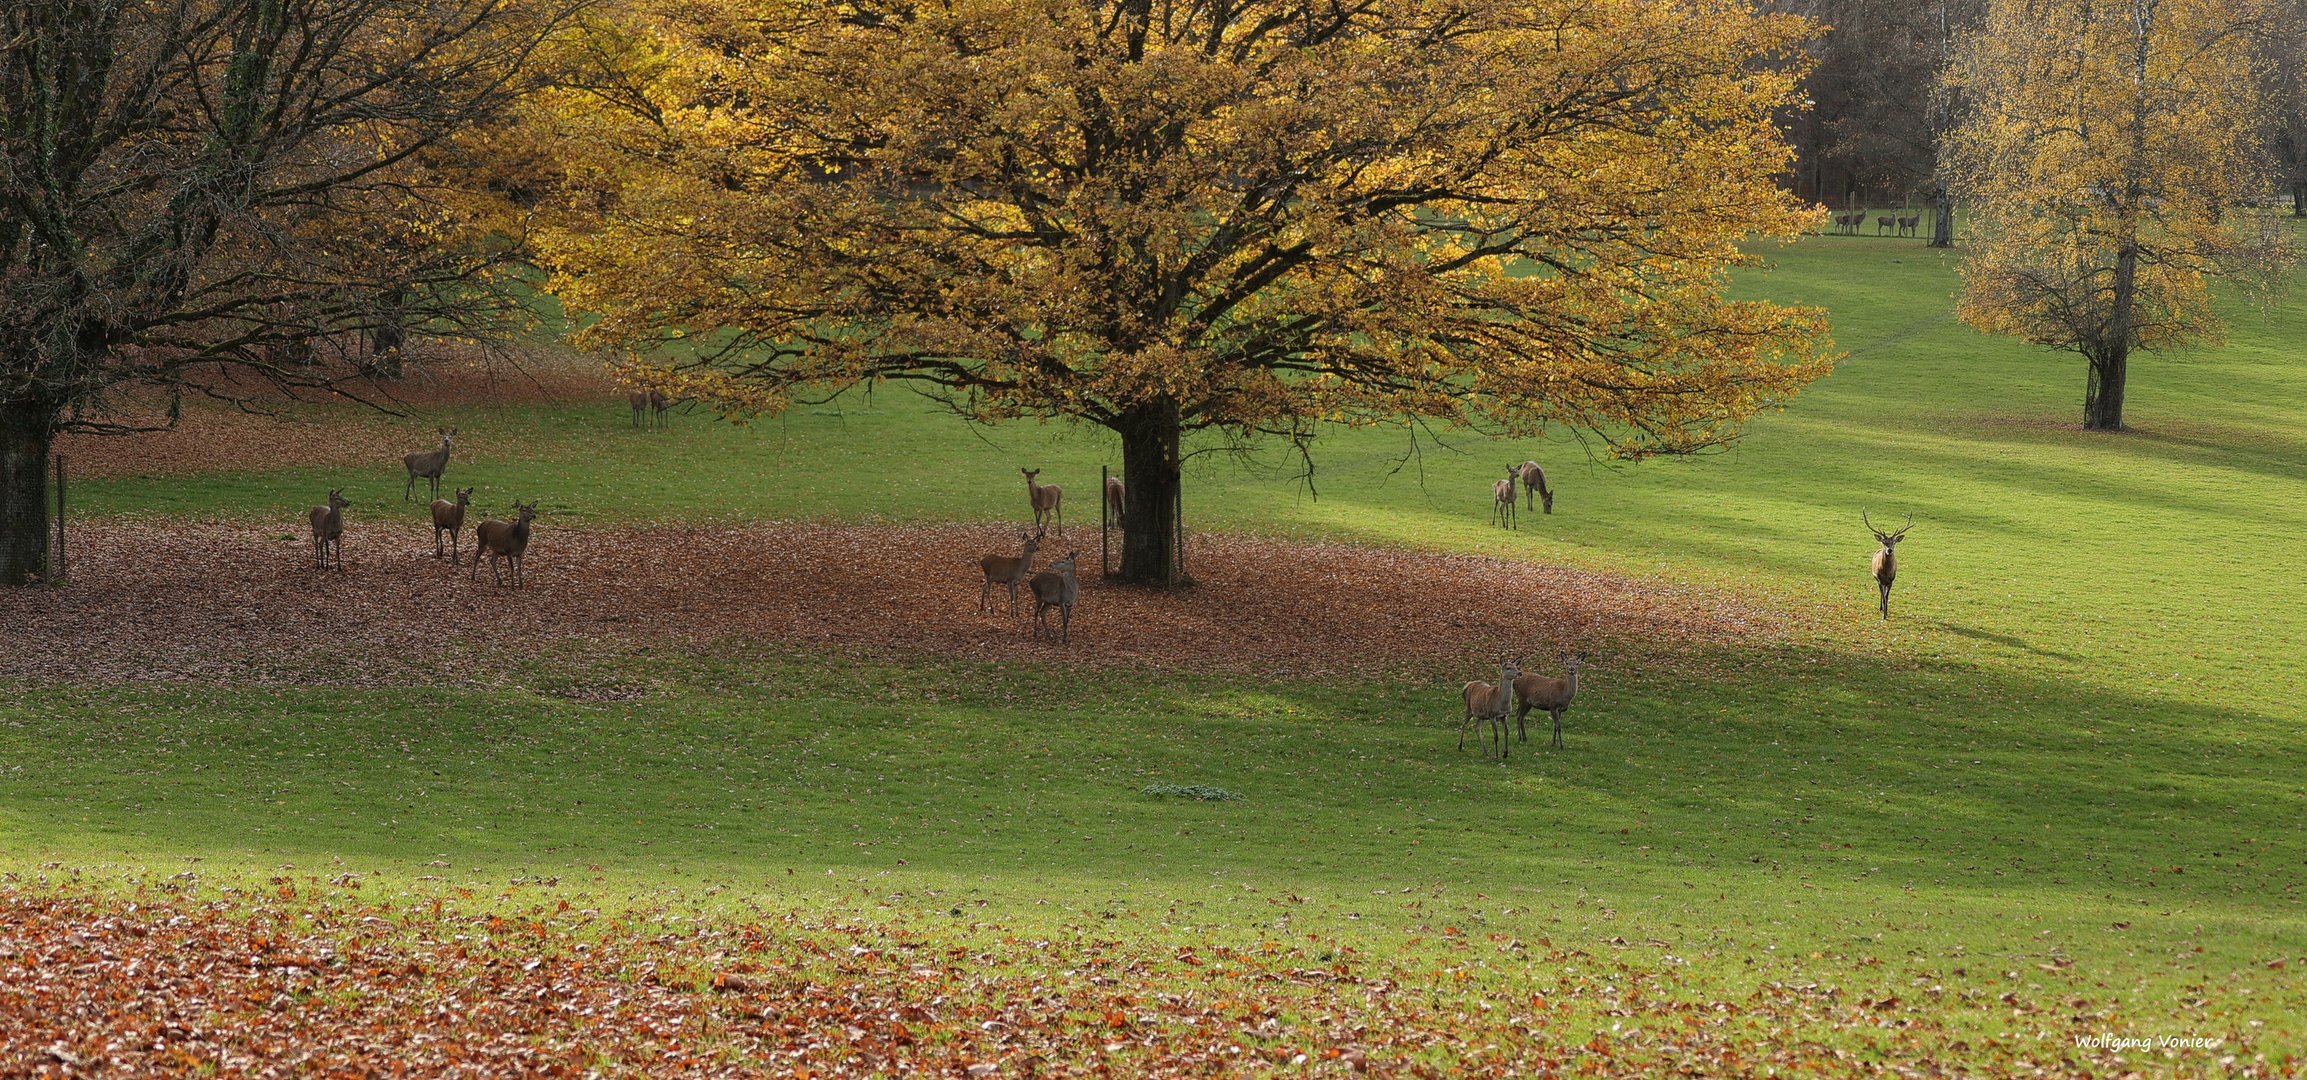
(1909, 524)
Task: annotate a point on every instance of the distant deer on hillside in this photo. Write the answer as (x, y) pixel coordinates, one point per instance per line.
(1886, 558)
(429, 465)
(645, 402)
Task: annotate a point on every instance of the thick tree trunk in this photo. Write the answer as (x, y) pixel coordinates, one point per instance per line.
(1943, 220)
(27, 435)
(1149, 463)
(2103, 394)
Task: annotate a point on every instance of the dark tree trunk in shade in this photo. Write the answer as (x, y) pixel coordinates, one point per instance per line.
(27, 436)
(1150, 435)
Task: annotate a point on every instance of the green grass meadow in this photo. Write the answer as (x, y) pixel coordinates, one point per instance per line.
(2071, 764)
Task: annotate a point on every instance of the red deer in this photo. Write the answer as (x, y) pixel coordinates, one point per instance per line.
(1882, 224)
(1886, 559)
(429, 465)
(1485, 701)
(1534, 485)
(449, 517)
(328, 529)
(1116, 499)
(1502, 500)
(1057, 588)
(1008, 570)
(507, 540)
(1906, 225)
(1548, 695)
(1047, 500)
(647, 401)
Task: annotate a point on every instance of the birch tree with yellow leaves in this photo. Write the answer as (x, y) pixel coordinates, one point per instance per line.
(2110, 162)
(1255, 216)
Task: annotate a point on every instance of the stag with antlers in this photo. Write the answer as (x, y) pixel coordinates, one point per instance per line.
(1886, 558)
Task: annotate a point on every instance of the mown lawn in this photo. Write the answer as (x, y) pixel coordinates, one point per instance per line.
(2070, 768)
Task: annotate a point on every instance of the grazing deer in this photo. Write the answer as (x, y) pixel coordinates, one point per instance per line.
(1550, 695)
(1057, 588)
(1882, 224)
(1116, 499)
(1008, 570)
(509, 540)
(1886, 559)
(1534, 485)
(449, 517)
(328, 529)
(1906, 225)
(1485, 701)
(1048, 501)
(646, 401)
(1502, 500)
(429, 465)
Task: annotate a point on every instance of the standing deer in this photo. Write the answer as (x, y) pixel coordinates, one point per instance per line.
(328, 529)
(1502, 500)
(1485, 701)
(429, 465)
(1850, 222)
(1886, 558)
(1047, 500)
(1882, 224)
(509, 540)
(1056, 588)
(1116, 499)
(449, 517)
(1008, 570)
(1549, 695)
(1906, 225)
(648, 401)
(1534, 485)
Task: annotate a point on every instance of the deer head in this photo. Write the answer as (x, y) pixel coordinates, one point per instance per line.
(1888, 540)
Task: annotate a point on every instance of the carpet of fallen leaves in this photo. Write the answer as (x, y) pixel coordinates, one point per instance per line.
(242, 602)
(274, 986)
(273, 430)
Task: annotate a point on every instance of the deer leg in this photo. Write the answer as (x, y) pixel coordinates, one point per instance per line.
(410, 491)
(1522, 722)
(1557, 729)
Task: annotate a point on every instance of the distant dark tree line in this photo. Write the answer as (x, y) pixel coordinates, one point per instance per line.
(1879, 112)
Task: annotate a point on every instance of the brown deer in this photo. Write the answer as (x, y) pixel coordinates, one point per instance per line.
(501, 539)
(1057, 588)
(449, 517)
(1502, 500)
(1906, 225)
(1048, 502)
(1549, 695)
(328, 529)
(1850, 222)
(1534, 486)
(429, 465)
(1886, 558)
(1485, 701)
(1008, 570)
(648, 401)
(1882, 224)
(1116, 500)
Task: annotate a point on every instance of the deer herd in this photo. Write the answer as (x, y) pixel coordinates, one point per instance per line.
(501, 542)
(1851, 221)
(1054, 588)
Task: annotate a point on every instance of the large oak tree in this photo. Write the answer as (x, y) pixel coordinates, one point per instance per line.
(2111, 158)
(210, 196)
(1162, 216)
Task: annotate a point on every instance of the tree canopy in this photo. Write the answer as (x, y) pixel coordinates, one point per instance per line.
(211, 196)
(2111, 158)
(1159, 217)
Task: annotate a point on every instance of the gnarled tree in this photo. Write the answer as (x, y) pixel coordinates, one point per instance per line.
(1160, 217)
(206, 195)
(2111, 159)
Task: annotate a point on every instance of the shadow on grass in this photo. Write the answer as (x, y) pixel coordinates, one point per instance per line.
(1742, 772)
